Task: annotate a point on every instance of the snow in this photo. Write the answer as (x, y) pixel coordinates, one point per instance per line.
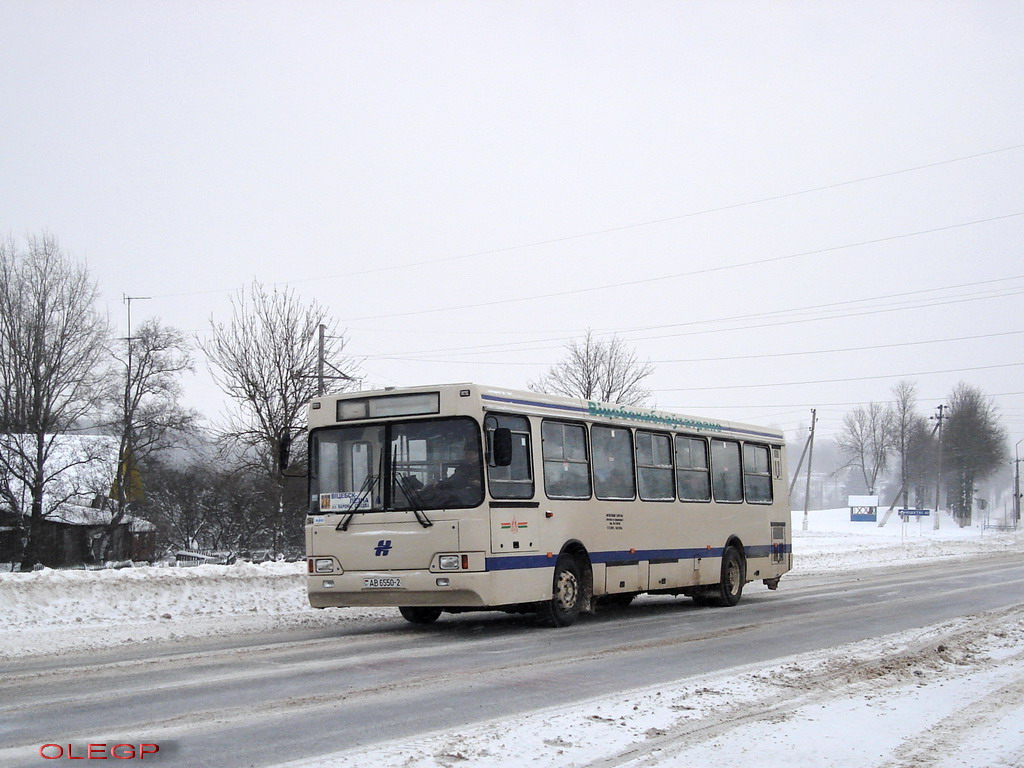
(886, 702)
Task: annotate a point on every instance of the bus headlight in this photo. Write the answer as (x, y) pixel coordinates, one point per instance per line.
(323, 565)
(448, 562)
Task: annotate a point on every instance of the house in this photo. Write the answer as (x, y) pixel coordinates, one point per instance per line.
(74, 535)
(76, 513)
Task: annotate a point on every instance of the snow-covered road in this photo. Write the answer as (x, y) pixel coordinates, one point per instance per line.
(945, 695)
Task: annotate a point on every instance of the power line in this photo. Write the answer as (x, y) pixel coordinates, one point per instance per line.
(806, 404)
(843, 349)
(691, 273)
(838, 381)
(881, 297)
(624, 227)
(769, 355)
(692, 214)
(484, 350)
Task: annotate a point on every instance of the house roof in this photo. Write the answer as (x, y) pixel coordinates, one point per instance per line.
(75, 514)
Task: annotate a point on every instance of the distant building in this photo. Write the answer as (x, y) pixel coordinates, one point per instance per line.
(73, 530)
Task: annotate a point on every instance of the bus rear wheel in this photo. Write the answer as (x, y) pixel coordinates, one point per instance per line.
(566, 595)
(419, 614)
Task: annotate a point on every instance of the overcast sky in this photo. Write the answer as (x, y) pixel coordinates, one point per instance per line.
(783, 205)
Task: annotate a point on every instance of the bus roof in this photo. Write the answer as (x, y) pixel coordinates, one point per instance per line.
(537, 403)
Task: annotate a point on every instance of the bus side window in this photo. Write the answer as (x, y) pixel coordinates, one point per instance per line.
(516, 480)
(566, 465)
(692, 476)
(654, 463)
(757, 480)
(726, 470)
(613, 463)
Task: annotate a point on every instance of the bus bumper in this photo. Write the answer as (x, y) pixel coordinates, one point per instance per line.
(480, 589)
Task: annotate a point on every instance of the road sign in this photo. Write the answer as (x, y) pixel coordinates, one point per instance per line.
(915, 512)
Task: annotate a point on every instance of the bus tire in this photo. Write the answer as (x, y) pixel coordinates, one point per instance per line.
(734, 573)
(566, 595)
(419, 614)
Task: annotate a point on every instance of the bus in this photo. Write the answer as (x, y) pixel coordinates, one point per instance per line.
(464, 497)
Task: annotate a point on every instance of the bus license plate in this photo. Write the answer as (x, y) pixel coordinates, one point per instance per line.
(389, 582)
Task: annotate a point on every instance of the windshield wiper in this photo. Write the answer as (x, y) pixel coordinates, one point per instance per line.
(412, 494)
(356, 504)
(415, 501)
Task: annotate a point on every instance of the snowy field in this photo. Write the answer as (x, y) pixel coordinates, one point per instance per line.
(889, 702)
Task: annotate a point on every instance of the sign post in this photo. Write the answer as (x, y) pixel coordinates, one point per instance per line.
(906, 514)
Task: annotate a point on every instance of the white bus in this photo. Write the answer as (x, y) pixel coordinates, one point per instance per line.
(465, 497)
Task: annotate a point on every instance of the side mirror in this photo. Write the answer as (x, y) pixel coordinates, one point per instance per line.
(284, 448)
(501, 447)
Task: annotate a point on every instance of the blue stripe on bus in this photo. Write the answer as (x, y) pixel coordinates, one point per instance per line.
(523, 562)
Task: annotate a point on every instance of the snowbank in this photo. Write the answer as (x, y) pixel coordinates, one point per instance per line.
(113, 607)
(832, 542)
(56, 611)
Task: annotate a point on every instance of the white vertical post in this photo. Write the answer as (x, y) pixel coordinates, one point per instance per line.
(810, 462)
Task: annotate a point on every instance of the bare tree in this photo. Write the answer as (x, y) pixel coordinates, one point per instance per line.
(268, 360)
(199, 506)
(908, 437)
(178, 502)
(52, 341)
(146, 412)
(608, 371)
(866, 439)
(973, 447)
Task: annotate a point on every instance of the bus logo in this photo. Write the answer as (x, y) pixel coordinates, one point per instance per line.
(515, 525)
(383, 548)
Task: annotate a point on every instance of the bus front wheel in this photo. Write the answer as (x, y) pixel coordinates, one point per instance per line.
(734, 574)
(419, 614)
(566, 595)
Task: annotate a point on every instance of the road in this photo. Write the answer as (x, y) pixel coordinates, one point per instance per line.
(261, 700)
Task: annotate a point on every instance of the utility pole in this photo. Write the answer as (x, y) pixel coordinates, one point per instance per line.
(322, 364)
(320, 361)
(810, 462)
(127, 436)
(1016, 484)
(128, 300)
(938, 482)
(128, 338)
(799, 465)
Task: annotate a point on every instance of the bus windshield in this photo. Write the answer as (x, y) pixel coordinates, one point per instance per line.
(433, 464)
